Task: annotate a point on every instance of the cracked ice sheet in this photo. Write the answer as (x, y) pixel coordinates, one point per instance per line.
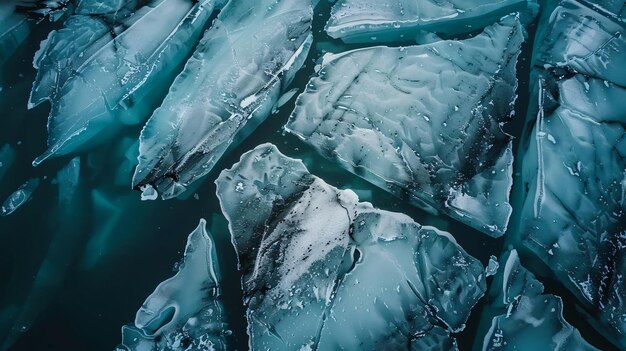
(184, 312)
(527, 320)
(574, 166)
(399, 20)
(117, 83)
(423, 122)
(348, 275)
(238, 72)
(573, 216)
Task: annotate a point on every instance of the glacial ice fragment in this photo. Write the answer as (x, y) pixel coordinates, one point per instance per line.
(229, 86)
(527, 320)
(19, 197)
(185, 311)
(423, 122)
(400, 20)
(323, 271)
(117, 80)
(573, 215)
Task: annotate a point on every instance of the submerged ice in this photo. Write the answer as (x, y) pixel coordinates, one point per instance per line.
(236, 75)
(574, 158)
(423, 122)
(347, 275)
(185, 311)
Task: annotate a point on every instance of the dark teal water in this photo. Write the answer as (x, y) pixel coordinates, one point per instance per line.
(110, 257)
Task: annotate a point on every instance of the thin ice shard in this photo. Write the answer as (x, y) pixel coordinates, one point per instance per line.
(527, 320)
(423, 122)
(574, 159)
(347, 275)
(185, 311)
(238, 72)
(18, 198)
(118, 81)
(400, 20)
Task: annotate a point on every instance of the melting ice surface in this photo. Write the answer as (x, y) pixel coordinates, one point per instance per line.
(101, 77)
(347, 275)
(400, 20)
(574, 166)
(424, 122)
(229, 86)
(185, 311)
(528, 320)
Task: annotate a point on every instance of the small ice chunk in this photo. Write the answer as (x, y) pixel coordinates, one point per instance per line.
(19, 197)
(148, 193)
(492, 266)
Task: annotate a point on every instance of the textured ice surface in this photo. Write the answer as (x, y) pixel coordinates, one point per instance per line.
(423, 122)
(185, 311)
(229, 86)
(574, 165)
(19, 197)
(400, 20)
(322, 271)
(527, 320)
(98, 83)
